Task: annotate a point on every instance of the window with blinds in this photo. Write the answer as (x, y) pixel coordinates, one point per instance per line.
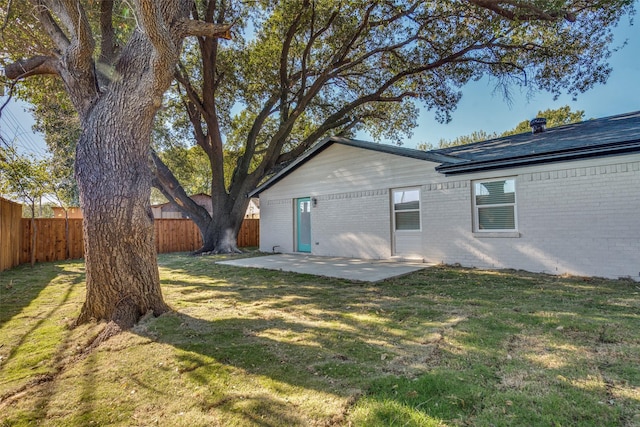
(495, 205)
(406, 209)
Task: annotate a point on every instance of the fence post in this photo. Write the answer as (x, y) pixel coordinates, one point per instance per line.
(10, 233)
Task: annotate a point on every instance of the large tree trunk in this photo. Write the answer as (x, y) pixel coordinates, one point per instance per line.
(219, 230)
(116, 100)
(114, 179)
(220, 236)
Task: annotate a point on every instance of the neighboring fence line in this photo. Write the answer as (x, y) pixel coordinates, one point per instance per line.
(10, 234)
(171, 235)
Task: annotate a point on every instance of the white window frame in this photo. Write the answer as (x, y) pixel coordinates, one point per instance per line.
(476, 208)
(394, 211)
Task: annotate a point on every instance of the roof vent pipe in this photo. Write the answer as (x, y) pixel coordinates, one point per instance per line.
(538, 125)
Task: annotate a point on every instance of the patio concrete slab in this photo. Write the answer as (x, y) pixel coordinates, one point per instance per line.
(343, 268)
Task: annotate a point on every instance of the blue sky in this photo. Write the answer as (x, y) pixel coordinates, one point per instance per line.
(479, 109)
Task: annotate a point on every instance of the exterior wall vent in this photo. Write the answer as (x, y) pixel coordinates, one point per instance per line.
(538, 125)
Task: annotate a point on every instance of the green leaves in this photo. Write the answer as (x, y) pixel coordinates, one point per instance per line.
(190, 166)
(555, 117)
(298, 71)
(23, 176)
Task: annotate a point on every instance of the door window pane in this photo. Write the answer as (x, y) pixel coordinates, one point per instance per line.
(406, 209)
(406, 199)
(408, 220)
(304, 225)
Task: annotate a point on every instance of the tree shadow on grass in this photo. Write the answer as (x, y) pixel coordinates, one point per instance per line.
(35, 329)
(262, 380)
(34, 298)
(285, 335)
(444, 343)
(21, 285)
(346, 338)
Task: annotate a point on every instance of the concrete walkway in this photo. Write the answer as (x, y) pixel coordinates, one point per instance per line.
(343, 268)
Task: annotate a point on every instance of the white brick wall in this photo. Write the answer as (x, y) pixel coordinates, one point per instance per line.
(580, 217)
(355, 225)
(276, 230)
(352, 216)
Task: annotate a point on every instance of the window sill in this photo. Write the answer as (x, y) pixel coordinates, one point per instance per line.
(497, 234)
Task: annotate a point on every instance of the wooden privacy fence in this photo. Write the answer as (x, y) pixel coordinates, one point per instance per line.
(182, 235)
(54, 241)
(10, 233)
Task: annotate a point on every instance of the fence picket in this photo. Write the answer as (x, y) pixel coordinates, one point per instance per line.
(10, 238)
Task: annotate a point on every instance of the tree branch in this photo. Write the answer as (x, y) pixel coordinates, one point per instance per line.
(37, 65)
(334, 68)
(52, 28)
(245, 162)
(312, 138)
(304, 74)
(189, 27)
(6, 16)
(180, 76)
(340, 118)
(167, 183)
(107, 42)
(76, 65)
(284, 59)
(82, 44)
(522, 11)
(154, 26)
(341, 54)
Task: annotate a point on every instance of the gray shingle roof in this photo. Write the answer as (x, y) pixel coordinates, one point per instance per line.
(599, 137)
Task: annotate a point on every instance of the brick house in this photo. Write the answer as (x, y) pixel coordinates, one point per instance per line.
(564, 200)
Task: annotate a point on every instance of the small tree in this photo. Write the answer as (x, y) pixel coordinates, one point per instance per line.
(555, 117)
(57, 120)
(26, 178)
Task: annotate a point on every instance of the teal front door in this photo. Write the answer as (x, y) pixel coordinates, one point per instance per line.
(303, 211)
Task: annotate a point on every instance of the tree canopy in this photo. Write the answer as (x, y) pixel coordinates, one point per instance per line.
(555, 117)
(23, 176)
(299, 71)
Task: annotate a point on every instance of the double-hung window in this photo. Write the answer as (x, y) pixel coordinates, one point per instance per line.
(406, 209)
(494, 205)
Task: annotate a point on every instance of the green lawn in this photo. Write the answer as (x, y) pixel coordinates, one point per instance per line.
(441, 347)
